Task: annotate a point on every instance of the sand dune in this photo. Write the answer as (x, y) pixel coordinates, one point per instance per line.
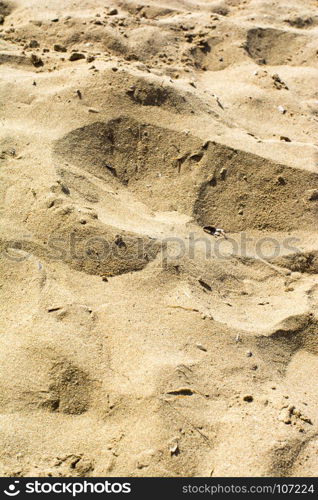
(132, 342)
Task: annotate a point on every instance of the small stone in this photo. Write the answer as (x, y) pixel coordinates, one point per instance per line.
(278, 82)
(281, 181)
(284, 138)
(249, 354)
(284, 416)
(312, 195)
(76, 56)
(201, 347)
(90, 58)
(248, 398)
(223, 173)
(59, 48)
(174, 449)
(113, 12)
(281, 109)
(131, 90)
(119, 241)
(306, 419)
(36, 61)
(63, 187)
(34, 44)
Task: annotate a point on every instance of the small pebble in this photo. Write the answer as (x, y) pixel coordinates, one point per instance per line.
(36, 61)
(34, 44)
(223, 173)
(248, 398)
(59, 48)
(281, 180)
(284, 416)
(76, 56)
(312, 195)
(174, 449)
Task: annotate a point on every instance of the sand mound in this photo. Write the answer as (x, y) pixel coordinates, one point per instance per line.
(303, 262)
(246, 191)
(237, 191)
(146, 158)
(77, 238)
(276, 47)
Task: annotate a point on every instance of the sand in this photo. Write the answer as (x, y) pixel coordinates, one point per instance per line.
(132, 342)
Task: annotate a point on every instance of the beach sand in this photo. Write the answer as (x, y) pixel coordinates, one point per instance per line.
(133, 343)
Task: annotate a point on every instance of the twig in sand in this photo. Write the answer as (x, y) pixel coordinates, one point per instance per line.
(184, 307)
(275, 268)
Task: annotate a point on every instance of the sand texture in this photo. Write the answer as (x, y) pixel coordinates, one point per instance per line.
(132, 342)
